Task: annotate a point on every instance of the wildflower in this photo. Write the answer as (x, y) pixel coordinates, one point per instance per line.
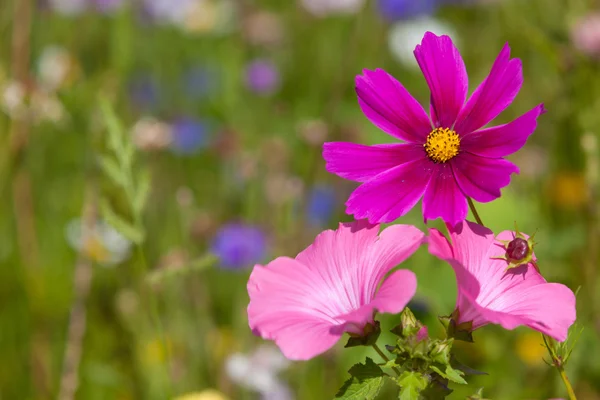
(323, 8)
(585, 35)
(100, 243)
(263, 28)
(320, 205)
(108, 6)
(189, 135)
(489, 293)
(150, 134)
(55, 66)
(405, 35)
(262, 77)
(258, 372)
(199, 81)
(530, 348)
(393, 10)
(144, 92)
(68, 8)
(239, 245)
(207, 394)
(313, 132)
(444, 159)
(306, 304)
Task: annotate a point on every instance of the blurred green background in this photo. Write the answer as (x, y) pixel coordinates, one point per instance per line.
(223, 107)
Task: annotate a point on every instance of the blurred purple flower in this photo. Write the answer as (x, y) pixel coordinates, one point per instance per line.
(394, 10)
(262, 77)
(189, 135)
(320, 205)
(199, 81)
(144, 92)
(108, 6)
(239, 245)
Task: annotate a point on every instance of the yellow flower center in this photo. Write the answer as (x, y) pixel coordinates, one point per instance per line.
(442, 145)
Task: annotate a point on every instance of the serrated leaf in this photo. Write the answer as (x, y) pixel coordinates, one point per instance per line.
(142, 192)
(451, 374)
(366, 381)
(112, 170)
(119, 224)
(411, 385)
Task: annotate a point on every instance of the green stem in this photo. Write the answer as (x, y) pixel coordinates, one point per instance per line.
(385, 358)
(567, 383)
(560, 367)
(474, 211)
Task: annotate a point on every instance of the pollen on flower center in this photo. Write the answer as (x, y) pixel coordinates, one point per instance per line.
(442, 145)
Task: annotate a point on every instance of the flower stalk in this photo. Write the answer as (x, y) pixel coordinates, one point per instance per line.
(384, 357)
(559, 363)
(474, 211)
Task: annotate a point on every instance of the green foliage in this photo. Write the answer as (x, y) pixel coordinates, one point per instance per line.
(365, 383)
(120, 168)
(411, 385)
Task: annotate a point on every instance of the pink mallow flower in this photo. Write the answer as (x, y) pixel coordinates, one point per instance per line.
(445, 158)
(306, 304)
(488, 292)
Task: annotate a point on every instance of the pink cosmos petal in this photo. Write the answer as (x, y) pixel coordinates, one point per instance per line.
(500, 141)
(360, 163)
(494, 94)
(482, 178)
(443, 198)
(392, 193)
(306, 304)
(488, 293)
(390, 107)
(446, 75)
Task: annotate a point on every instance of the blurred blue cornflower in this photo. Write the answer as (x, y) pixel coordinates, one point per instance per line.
(395, 10)
(239, 245)
(262, 77)
(144, 92)
(189, 135)
(320, 204)
(200, 81)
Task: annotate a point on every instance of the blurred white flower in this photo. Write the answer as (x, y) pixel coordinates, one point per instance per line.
(101, 243)
(195, 16)
(322, 8)
(151, 134)
(258, 372)
(68, 7)
(54, 66)
(42, 106)
(404, 36)
(13, 99)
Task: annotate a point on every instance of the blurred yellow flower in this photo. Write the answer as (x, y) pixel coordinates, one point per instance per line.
(208, 394)
(530, 348)
(568, 189)
(155, 351)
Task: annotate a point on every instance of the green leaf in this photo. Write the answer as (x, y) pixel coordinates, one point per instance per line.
(163, 274)
(122, 226)
(411, 385)
(451, 374)
(366, 381)
(113, 126)
(112, 170)
(142, 192)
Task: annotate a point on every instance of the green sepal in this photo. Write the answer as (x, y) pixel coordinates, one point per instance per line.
(369, 337)
(440, 351)
(462, 331)
(409, 325)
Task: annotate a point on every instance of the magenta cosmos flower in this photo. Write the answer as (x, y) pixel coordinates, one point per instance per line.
(489, 293)
(444, 159)
(306, 304)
